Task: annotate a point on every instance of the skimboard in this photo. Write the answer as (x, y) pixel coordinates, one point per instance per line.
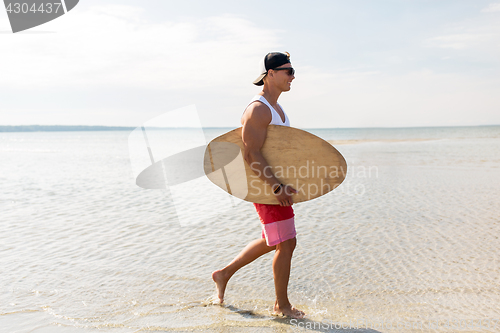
(297, 158)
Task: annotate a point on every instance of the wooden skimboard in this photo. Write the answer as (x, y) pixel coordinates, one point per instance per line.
(297, 158)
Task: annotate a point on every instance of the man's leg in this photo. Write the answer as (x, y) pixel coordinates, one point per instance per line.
(251, 252)
(281, 270)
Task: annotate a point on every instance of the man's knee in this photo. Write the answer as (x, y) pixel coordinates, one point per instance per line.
(287, 246)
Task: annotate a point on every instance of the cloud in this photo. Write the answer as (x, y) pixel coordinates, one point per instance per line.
(492, 7)
(460, 41)
(116, 45)
(477, 38)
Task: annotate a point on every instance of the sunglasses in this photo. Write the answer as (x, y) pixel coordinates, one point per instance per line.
(290, 70)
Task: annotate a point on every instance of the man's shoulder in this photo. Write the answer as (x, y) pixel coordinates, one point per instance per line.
(258, 109)
(256, 114)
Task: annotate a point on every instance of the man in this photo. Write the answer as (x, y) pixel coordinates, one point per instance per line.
(278, 225)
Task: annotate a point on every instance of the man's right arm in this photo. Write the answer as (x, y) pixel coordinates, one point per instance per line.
(255, 121)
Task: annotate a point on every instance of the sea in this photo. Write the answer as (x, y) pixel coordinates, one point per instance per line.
(408, 243)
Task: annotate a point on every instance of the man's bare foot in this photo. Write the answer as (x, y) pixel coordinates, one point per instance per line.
(288, 311)
(220, 283)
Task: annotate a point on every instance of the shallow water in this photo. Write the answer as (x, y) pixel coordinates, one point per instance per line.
(410, 238)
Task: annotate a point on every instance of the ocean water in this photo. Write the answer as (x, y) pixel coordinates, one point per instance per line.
(408, 243)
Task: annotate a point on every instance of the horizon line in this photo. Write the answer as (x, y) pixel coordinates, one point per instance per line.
(76, 128)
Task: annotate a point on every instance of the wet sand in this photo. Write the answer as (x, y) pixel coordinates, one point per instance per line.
(410, 237)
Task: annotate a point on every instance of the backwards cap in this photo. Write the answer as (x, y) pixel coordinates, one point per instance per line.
(271, 61)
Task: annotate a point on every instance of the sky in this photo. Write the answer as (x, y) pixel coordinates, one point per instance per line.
(358, 63)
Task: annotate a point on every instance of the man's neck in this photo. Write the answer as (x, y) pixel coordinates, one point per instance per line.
(271, 95)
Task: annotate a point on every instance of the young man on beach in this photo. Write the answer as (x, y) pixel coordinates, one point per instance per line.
(278, 224)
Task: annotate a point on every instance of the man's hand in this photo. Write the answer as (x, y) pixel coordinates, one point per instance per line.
(284, 195)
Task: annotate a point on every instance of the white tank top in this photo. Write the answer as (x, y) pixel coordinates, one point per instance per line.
(276, 118)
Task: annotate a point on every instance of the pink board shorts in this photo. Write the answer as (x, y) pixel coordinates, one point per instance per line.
(278, 223)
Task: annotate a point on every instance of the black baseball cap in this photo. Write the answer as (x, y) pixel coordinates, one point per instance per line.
(271, 61)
